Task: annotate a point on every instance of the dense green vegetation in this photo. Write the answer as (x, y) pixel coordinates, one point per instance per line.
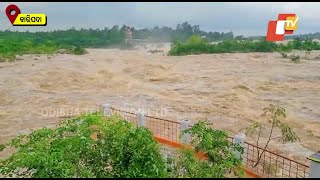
(293, 36)
(181, 33)
(96, 146)
(17, 43)
(304, 36)
(186, 38)
(88, 146)
(197, 45)
(221, 160)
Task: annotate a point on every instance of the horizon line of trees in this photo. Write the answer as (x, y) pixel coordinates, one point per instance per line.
(14, 43)
(197, 45)
(160, 34)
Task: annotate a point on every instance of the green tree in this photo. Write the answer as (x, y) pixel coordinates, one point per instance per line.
(274, 120)
(88, 146)
(221, 162)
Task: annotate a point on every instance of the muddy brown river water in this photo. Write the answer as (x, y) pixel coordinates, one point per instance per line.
(229, 90)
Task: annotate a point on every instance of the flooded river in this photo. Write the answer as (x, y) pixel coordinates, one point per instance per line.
(230, 90)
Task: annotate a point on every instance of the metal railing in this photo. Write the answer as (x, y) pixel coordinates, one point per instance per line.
(164, 128)
(262, 162)
(266, 163)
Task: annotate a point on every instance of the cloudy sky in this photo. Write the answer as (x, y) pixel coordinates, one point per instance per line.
(243, 18)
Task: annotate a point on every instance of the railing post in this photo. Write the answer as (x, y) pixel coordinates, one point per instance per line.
(186, 136)
(239, 139)
(314, 171)
(141, 119)
(107, 110)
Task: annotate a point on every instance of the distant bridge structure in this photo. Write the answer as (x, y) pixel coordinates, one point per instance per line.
(140, 42)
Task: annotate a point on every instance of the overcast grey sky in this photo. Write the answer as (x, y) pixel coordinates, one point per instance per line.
(241, 17)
